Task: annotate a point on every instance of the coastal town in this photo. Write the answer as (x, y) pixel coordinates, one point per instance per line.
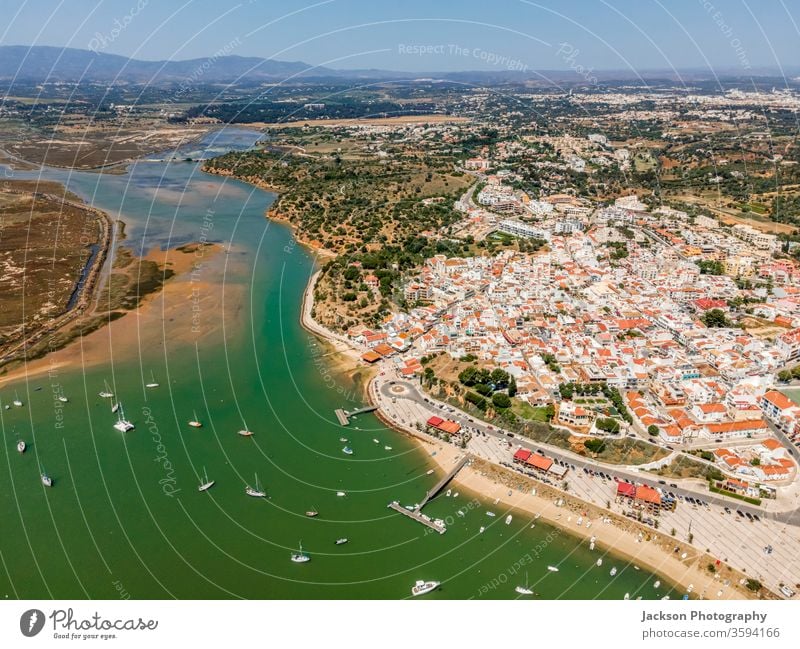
(673, 339)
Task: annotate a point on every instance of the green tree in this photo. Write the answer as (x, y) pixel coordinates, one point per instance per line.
(652, 429)
(501, 400)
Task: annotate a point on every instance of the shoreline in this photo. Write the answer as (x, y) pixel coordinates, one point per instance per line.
(617, 538)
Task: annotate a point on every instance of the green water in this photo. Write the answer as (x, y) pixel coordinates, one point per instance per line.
(125, 518)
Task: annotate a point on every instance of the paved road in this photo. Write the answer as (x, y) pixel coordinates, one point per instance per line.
(791, 517)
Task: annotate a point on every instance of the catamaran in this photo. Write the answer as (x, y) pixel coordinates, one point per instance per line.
(21, 446)
(106, 393)
(300, 557)
(17, 401)
(255, 492)
(206, 484)
(195, 422)
(153, 383)
(423, 587)
(122, 425)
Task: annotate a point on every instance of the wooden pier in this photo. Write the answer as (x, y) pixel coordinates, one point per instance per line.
(344, 416)
(416, 513)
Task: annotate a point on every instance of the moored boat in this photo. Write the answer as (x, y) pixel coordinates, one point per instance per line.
(47, 481)
(423, 587)
(300, 556)
(613, 571)
(347, 450)
(256, 491)
(552, 568)
(205, 483)
(21, 446)
(195, 422)
(508, 519)
(341, 541)
(123, 425)
(246, 433)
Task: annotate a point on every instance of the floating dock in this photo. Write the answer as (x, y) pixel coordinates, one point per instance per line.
(344, 416)
(416, 513)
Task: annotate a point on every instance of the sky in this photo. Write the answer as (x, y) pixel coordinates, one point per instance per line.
(427, 35)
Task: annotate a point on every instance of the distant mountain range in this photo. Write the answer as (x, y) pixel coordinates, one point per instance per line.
(43, 63)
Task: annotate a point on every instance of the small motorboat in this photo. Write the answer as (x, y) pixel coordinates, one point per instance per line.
(300, 556)
(387, 448)
(523, 590)
(347, 450)
(341, 494)
(62, 398)
(47, 481)
(343, 439)
(375, 440)
(552, 568)
(423, 587)
(613, 571)
(21, 446)
(656, 584)
(492, 514)
(341, 541)
(429, 472)
(508, 519)
(599, 563)
(482, 530)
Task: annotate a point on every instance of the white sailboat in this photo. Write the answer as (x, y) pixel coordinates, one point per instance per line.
(256, 491)
(524, 590)
(17, 402)
(62, 398)
(195, 422)
(300, 556)
(122, 425)
(205, 484)
(246, 433)
(106, 393)
(47, 481)
(552, 568)
(153, 383)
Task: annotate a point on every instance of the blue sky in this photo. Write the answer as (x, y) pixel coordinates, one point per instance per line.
(433, 35)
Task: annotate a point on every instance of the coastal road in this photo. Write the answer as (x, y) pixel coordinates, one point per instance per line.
(411, 393)
(737, 541)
